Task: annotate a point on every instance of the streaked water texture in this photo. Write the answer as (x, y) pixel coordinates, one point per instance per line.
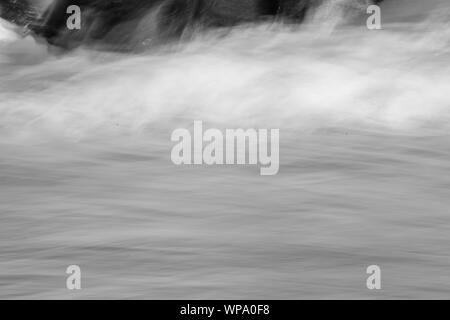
(364, 117)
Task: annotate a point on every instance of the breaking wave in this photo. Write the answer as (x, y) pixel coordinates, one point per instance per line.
(272, 75)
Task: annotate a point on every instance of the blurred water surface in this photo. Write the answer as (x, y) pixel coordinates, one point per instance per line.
(86, 176)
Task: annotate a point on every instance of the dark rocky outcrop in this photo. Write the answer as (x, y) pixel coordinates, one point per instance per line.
(130, 24)
(20, 12)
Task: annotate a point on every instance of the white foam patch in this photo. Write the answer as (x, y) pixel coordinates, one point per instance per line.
(7, 33)
(259, 76)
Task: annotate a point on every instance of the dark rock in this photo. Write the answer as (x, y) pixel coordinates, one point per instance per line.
(130, 24)
(19, 12)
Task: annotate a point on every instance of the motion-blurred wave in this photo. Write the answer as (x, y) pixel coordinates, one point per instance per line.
(86, 176)
(265, 75)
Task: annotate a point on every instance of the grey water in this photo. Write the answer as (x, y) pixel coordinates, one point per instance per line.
(364, 116)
